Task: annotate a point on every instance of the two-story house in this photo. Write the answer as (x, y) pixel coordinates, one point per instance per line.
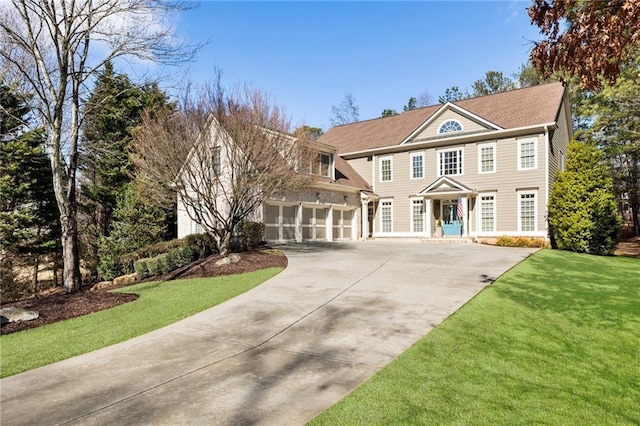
(476, 168)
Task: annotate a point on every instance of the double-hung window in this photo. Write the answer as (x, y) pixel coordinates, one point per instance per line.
(487, 211)
(487, 158)
(417, 215)
(527, 211)
(386, 169)
(417, 166)
(450, 162)
(527, 159)
(386, 216)
(325, 164)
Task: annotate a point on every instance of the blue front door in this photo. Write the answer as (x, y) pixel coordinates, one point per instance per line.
(451, 226)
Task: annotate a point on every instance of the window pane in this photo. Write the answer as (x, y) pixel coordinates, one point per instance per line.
(417, 167)
(418, 215)
(325, 164)
(486, 159)
(386, 216)
(451, 162)
(386, 170)
(527, 212)
(527, 155)
(487, 218)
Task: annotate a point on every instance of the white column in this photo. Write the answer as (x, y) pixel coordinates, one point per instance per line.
(364, 214)
(465, 217)
(329, 223)
(428, 207)
(299, 223)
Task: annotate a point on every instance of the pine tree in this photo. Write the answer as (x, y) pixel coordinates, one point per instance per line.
(112, 113)
(29, 226)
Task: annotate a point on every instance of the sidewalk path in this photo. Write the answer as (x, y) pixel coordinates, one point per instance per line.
(277, 355)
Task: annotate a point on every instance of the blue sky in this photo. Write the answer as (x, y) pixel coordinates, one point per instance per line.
(307, 55)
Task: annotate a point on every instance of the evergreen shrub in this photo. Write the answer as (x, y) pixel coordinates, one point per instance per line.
(583, 216)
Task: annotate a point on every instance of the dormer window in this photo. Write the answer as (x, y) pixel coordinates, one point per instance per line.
(325, 164)
(450, 126)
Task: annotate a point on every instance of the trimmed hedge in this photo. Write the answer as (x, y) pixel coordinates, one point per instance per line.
(249, 234)
(165, 262)
(506, 241)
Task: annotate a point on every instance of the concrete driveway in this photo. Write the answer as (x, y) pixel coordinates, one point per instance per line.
(278, 354)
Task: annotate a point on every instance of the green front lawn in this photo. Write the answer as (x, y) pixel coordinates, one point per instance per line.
(556, 340)
(159, 304)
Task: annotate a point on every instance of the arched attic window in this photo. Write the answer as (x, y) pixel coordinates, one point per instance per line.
(450, 126)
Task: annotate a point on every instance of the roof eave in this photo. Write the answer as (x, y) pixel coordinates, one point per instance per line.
(498, 134)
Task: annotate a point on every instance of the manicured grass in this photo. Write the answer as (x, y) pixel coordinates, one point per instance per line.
(556, 340)
(159, 304)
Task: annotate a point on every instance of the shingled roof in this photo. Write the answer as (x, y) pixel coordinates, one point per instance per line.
(512, 109)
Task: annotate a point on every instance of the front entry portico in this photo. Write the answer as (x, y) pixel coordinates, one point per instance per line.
(449, 202)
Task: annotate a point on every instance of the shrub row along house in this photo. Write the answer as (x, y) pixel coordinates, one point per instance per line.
(476, 168)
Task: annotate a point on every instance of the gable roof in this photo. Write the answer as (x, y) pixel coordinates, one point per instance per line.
(445, 185)
(509, 110)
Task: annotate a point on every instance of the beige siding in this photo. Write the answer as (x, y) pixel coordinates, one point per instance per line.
(505, 182)
(363, 167)
(559, 145)
(468, 125)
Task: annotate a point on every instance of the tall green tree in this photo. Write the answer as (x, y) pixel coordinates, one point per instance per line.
(582, 211)
(613, 113)
(388, 113)
(29, 227)
(412, 103)
(112, 113)
(452, 94)
(493, 82)
(137, 223)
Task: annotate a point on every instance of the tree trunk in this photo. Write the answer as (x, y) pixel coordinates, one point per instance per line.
(34, 280)
(71, 279)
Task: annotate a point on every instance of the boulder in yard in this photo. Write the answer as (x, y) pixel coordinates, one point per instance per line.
(232, 258)
(8, 315)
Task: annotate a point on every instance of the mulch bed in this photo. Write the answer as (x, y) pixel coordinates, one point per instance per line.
(57, 306)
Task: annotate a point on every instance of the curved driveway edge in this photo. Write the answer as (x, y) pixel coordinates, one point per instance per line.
(279, 354)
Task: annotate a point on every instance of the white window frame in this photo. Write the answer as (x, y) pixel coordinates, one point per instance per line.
(412, 170)
(388, 158)
(535, 211)
(562, 161)
(479, 229)
(382, 206)
(440, 165)
(411, 217)
(535, 153)
(494, 149)
(329, 164)
(440, 132)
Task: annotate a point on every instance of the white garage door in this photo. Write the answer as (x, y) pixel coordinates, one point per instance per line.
(342, 224)
(280, 222)
(314, 223)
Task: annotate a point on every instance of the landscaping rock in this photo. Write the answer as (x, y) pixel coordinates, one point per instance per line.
(232, 258)
(8, 315)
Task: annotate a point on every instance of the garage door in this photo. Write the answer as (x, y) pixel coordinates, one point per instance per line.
(280, 222)
(314, 223)
(342, 224)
